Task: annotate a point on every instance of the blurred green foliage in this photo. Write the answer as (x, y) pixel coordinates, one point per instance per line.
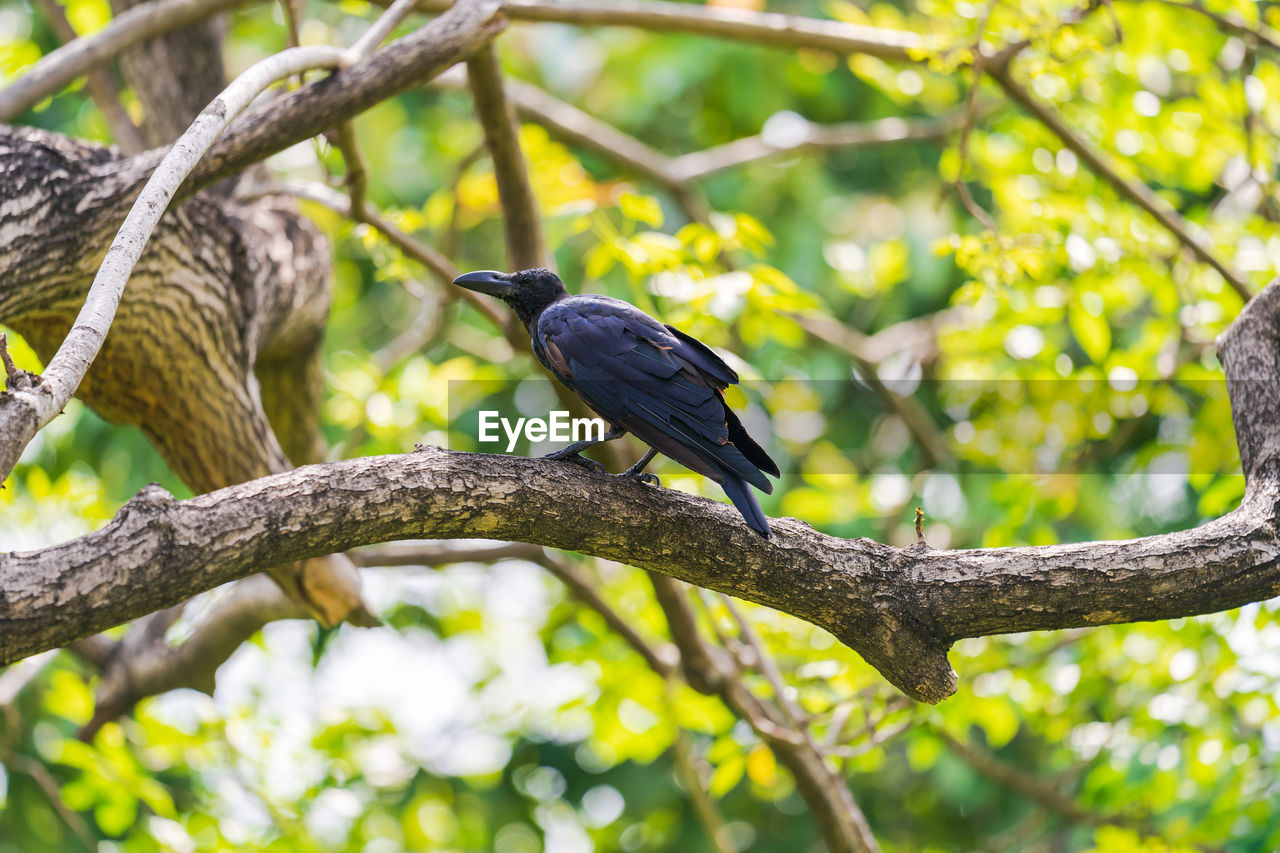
(1072, 382)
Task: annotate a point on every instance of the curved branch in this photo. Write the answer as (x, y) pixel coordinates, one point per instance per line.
(900, 608)
(23, 413)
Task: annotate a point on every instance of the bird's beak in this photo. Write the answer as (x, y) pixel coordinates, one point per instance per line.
(491, 282)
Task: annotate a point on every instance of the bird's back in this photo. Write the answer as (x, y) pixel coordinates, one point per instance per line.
(653, 380)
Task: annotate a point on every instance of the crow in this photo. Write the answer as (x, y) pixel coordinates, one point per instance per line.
(643, 377)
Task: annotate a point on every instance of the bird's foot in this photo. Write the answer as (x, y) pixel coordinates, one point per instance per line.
(641, 477)
(576, 459)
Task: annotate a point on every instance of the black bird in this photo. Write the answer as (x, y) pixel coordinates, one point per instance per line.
(641, 376)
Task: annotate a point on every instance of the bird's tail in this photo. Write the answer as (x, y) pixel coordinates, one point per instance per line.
(740, 493)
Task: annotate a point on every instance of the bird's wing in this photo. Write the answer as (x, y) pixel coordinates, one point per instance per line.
(661, 385)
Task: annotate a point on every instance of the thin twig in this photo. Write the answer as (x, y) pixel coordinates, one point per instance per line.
(357, 178)
(970, 117)
(1135, 191)
(661, 659)
(523, 225)
(1031, 787)
(1262, 34)
(767, 665)
(928, 437)
(16, 379)
(807, 136)
(53, 792)
(704, 807)
(709, 669)
(439, 265)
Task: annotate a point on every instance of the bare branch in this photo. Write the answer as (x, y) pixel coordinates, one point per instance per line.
(766, 665)
(678, 175)
(357, 178)
(523, 225)
(710, 669)
(433, 260)
(926, 434)
(59, 68)
(661, 659)
(1229, 23)
(806, 136)
(22, 413)
(324, 104)
(53, 791)
(1037, 790)
(156, 667)
(102, 88)
(768, 28)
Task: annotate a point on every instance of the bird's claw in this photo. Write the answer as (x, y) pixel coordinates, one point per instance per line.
(642, 477)
(589, 464)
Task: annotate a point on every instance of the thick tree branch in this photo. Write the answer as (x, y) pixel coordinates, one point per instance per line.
(899, 608)
(22, 413)
(875, 598)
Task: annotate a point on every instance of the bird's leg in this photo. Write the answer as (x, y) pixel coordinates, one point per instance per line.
(637, 472)
(571, 453)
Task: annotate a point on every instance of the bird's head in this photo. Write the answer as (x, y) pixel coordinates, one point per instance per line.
(526, 291)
